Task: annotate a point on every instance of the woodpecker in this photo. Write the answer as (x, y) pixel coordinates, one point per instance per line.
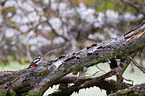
(36, 61)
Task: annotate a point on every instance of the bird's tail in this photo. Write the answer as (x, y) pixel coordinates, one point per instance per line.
(28, 67)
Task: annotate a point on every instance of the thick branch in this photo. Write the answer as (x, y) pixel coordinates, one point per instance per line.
(87, 82)
(137, 90)
(38, 79)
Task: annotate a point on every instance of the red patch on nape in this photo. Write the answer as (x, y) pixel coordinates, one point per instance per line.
(34, 65)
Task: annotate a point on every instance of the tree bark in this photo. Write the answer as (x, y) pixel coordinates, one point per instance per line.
(36, 80)
(137, 90)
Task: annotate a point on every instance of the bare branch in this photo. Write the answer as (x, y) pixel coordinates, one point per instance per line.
(137, 65)
(55, 31)
(134, 6)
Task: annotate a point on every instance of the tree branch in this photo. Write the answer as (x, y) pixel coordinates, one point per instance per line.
(137, 90)
(53, 30)
(134, 6)
(38, 79)
(137, 65)
(87, 82)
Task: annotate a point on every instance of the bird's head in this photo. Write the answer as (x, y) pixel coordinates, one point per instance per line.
(40, 56)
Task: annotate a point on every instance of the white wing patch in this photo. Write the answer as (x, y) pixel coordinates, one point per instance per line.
(37, 60)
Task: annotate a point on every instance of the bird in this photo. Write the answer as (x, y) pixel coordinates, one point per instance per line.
(36, 61)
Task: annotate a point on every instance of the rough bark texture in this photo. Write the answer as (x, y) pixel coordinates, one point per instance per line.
(36, 80)
(137, 90)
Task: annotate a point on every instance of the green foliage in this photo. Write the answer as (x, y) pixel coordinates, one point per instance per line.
(7, 93)
(116, 5)
(6, 10)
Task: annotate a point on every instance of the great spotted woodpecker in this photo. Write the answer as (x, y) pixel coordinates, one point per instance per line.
(36, 61)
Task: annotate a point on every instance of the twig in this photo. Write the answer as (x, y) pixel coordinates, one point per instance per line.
(95, 73)
(137, 65)
(134, 6)
(100, 69)
(53, 30)
(129, 80)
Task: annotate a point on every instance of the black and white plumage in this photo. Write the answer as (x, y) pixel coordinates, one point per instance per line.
(36, 61)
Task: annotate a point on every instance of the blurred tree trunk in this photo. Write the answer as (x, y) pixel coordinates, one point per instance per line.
(36, 80)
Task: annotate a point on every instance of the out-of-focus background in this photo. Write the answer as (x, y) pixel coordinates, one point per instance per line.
(59, 27)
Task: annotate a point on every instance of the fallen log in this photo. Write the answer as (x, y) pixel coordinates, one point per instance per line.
(36, 80)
